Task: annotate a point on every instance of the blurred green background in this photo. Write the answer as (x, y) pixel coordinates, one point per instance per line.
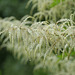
(14, 8)
(8, 64)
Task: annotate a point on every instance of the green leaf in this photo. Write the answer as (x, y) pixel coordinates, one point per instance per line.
(55, 2)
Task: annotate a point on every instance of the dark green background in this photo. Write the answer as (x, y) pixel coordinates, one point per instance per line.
(8, 64)
(14, 8)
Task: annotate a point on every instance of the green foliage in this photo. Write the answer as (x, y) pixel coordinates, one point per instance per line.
(40, 72)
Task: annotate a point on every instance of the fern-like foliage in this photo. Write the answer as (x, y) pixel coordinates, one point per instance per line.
(41, 43)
